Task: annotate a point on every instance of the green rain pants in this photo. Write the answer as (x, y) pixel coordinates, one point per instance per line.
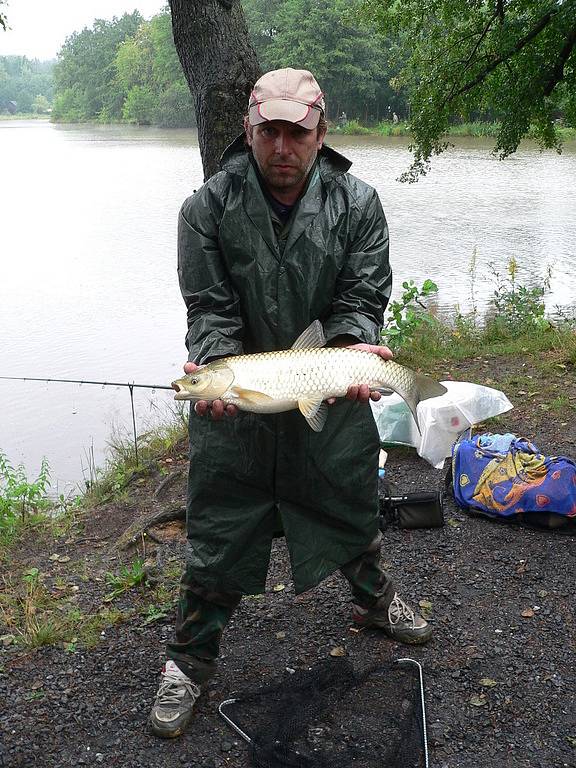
(203, 614)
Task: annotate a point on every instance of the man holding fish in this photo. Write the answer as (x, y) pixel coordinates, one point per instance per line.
(283, 266)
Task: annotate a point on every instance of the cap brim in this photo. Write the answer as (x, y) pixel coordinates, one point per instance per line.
(282, 109)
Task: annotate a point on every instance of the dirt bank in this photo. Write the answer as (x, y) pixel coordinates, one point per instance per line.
(75, 706)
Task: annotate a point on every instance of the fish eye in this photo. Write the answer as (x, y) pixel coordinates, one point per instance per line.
(194, 380)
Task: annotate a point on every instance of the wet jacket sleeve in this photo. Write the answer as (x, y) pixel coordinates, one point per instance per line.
(215, 326)
(364, 283)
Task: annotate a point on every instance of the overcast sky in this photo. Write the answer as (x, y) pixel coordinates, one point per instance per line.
(38, 28)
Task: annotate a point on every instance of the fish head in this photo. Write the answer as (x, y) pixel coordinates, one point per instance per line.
(209, 382)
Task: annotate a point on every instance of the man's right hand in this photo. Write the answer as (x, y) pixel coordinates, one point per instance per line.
(217, 409)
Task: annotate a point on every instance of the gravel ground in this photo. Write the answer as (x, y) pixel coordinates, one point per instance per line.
(499, 672)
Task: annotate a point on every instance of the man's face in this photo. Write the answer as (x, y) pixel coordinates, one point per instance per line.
(285, 152)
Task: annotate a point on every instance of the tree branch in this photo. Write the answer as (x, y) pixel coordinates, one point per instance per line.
(467, 62)
(522, 43)
(557, 73)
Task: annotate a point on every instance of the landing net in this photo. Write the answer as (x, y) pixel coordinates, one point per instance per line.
(333, 716)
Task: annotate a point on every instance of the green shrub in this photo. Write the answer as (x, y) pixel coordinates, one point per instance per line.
(386, 128)
(408, 314)
(353, 128)
(515, 308)
(18, 496)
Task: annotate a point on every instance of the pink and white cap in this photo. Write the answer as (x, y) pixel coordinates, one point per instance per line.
(286, 94)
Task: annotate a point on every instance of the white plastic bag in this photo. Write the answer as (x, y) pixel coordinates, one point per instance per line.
(441, 419)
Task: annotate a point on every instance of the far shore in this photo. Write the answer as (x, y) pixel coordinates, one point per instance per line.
(384, 128)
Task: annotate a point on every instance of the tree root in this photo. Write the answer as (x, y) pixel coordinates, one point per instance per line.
(133, 534)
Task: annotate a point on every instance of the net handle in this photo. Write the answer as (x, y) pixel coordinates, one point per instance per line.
(421, 677)
(230, 722)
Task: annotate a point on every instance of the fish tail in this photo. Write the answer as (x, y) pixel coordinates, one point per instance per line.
(422, 388)
(428, 387)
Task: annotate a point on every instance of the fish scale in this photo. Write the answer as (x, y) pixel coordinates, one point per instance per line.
(292, 375)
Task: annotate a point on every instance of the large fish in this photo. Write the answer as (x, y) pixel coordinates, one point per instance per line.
(302, 377)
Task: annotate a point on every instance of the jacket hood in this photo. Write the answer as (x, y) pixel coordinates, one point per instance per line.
(235, 159)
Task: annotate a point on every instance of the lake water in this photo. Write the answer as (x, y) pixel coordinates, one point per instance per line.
(88, 286)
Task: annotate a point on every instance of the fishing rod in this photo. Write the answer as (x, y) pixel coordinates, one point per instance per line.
(131, 387)
(85, 381)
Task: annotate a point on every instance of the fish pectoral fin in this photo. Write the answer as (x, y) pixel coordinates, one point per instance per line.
(311, 338)
(315, 412)
(250, 395)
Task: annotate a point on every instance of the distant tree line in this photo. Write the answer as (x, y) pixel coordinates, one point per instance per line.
(128, 69)
(25, 85)
(123, 69)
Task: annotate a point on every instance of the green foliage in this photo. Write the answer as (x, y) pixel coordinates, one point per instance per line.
(515, 307)
(406, 316)
(353, 128)
(124, 69)
(139, 106)
(18, 496)
(154, 613)
(569, 350)
(352, 65)
(513, 61)
(387, 128)
(86, 67)
(125, 579)
(23, 81)
(175, 108)
(475, 129)
(40, 105)
(31, 576)
(70, 105)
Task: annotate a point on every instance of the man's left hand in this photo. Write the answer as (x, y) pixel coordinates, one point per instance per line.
(362, 393)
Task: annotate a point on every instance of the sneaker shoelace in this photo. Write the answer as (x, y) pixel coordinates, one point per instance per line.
(399, 611)
(173, 687)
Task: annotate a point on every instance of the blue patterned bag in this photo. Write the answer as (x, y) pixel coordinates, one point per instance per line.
(506, 477)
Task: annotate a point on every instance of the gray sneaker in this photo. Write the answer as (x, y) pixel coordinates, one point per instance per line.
(175, 699)
(399, 621)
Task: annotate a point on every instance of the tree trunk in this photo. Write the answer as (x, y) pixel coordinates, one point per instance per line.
(221, 67)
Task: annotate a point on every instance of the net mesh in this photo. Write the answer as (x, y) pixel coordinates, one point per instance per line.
(333, 716)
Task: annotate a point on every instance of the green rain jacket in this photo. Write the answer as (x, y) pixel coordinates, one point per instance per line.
(251, 285)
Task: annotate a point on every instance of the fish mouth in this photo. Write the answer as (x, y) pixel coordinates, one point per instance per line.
(181, 393)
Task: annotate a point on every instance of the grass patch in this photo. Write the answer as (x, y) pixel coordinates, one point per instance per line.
(386, 128)
(122, 469)
(353, 128)
(474, 128)
(127, 578)
(440, 341)
(25, 116)
(33, 615)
